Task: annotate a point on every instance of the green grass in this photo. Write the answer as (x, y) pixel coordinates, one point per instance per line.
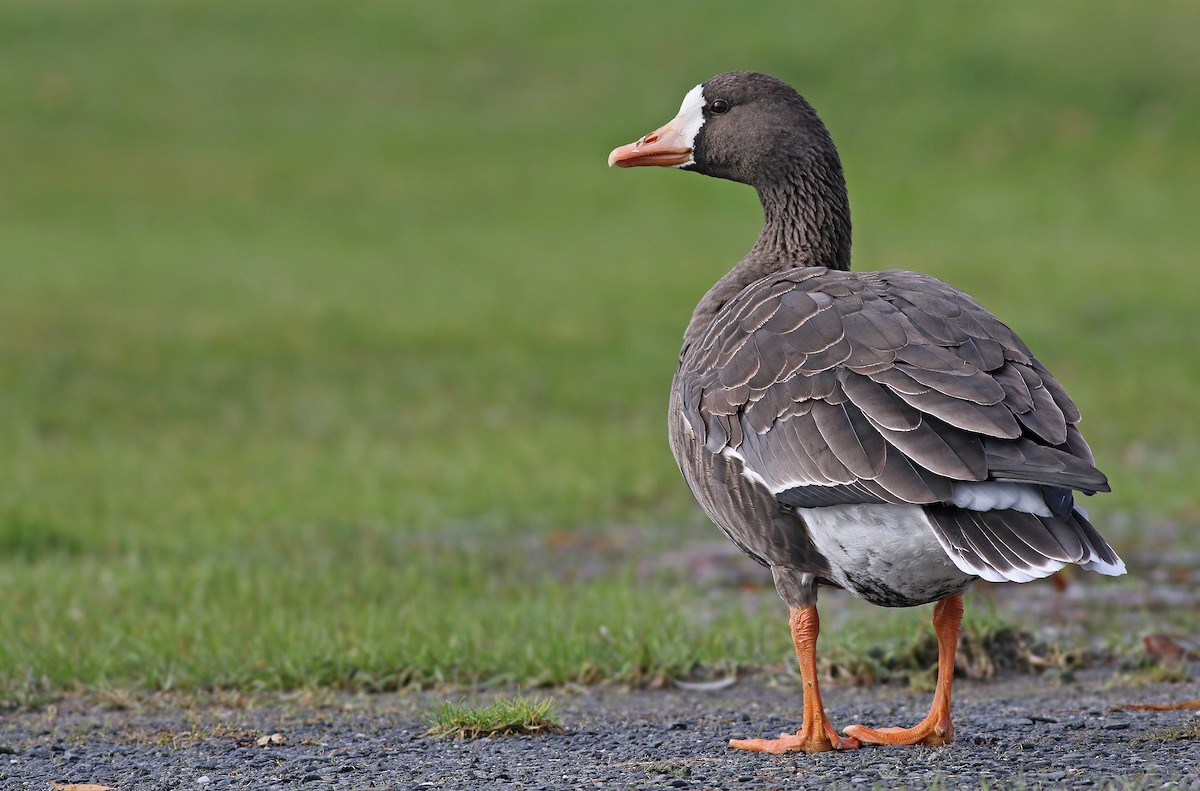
(503, 716)
(332, 354)
(1170, 733)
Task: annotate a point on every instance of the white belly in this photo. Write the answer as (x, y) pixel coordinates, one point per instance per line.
(886, 554)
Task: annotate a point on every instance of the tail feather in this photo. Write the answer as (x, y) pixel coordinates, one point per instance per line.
(1015, 546)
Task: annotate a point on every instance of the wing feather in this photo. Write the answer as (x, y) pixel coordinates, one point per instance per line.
(851, 438)
(887, 387)
(881, 404)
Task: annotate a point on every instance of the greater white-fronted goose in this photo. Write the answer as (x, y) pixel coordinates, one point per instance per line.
(879, 432)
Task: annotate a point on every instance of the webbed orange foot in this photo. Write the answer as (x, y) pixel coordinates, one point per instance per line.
(793, 742)
(815, 734)
(932, 731)
(936, 728)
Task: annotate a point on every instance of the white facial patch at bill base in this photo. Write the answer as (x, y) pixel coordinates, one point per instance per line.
(689, 120)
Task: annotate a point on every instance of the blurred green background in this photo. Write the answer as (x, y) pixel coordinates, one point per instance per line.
(333, 355)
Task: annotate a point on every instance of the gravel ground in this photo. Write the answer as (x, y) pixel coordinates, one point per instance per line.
(1018, 730)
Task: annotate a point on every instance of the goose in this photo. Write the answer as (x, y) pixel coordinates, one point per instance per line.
(875, 431)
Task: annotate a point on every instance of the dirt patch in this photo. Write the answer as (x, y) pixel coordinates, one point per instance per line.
(1019, 728)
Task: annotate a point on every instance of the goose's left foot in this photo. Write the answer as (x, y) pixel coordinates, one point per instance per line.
(937, 727)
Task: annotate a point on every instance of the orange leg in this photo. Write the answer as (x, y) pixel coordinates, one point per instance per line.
(815, 734)
(935, 728)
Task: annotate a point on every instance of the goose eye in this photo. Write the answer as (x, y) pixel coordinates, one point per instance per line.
(719, 106)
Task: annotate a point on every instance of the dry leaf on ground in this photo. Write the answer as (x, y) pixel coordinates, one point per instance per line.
(1168, 648)
(1181, 705)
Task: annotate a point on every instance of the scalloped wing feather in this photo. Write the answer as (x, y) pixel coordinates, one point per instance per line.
(821, 377)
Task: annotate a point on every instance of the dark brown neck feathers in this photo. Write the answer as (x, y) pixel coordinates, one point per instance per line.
(806, 222)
